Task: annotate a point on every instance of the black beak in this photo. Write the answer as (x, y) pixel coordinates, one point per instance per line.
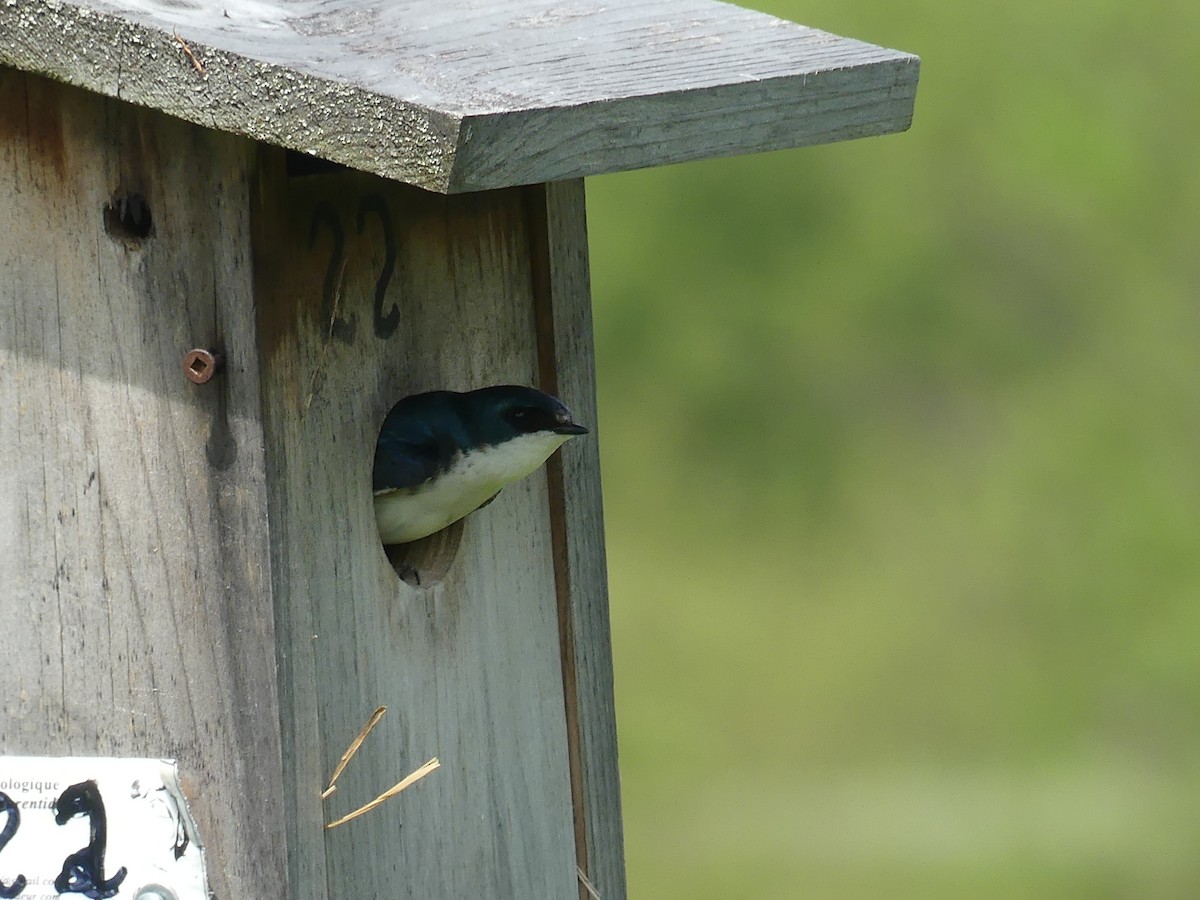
(569, 427)
(564, 423)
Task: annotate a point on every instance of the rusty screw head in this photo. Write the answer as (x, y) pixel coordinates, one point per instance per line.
(201, 365)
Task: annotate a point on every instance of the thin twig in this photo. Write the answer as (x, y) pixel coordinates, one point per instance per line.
(352, 749)
(389, 793)
(196, 64)
(587, 885)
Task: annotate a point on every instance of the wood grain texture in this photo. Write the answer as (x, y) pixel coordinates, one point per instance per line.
(135, 611)
(459, 95)
(559, 249)
(470, 666)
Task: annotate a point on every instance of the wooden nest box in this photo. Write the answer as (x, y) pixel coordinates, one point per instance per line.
(343, 202)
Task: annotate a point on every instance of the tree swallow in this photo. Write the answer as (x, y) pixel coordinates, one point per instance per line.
(444, 454)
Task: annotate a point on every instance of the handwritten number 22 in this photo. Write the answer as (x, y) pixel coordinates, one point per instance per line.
(83, 870)
(326, 218)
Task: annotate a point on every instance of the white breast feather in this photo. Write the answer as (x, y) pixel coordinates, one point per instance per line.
(407, 514)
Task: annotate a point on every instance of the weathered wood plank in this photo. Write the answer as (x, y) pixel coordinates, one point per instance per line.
(469, 665)
(456, 95)
(135, 609)
(558, 227)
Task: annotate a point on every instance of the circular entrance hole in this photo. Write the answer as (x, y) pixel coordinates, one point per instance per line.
(424, 563)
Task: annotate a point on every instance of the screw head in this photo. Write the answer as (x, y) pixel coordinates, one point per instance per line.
(201, 365)
(155, 892)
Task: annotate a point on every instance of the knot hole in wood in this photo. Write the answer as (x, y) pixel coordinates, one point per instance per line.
(127, 217)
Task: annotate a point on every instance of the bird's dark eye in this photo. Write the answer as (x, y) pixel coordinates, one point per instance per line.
(526, 418)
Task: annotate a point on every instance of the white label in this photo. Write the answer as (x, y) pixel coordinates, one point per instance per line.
(97, 828)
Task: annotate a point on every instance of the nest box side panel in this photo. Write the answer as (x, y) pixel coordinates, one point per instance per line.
(562, 283)
(369, 291)
(135, 614)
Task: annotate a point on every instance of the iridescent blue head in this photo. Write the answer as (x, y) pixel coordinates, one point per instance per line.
(500, 413)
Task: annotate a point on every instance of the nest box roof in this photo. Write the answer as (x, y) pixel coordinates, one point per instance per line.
(462, 95)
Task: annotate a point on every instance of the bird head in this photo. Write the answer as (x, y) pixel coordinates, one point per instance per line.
(502, 412)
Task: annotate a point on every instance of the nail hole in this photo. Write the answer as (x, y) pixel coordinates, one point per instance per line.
(127, 216)
(424, 563)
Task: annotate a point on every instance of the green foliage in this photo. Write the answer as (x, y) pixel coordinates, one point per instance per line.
(901, 444)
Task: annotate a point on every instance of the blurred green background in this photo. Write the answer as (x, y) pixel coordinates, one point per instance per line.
(900, 443)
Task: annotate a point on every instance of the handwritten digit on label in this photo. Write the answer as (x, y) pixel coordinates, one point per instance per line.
(83, 870)
(12, 821)
(374, 204)
(324, 216)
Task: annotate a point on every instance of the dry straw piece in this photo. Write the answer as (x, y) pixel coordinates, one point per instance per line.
(386, 795)
(389, 793)
(587, 885)
(352, 749)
